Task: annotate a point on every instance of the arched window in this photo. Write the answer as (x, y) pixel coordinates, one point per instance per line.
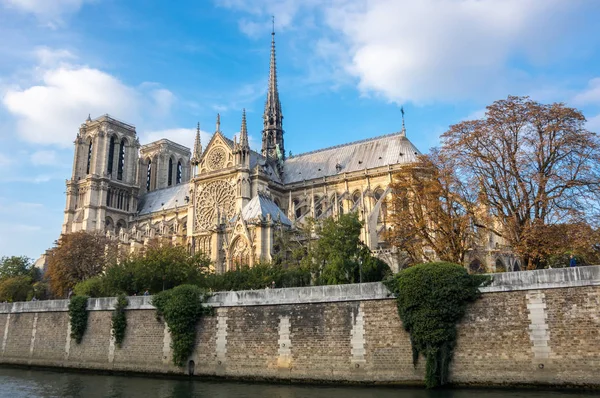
(148, 174)
(476, 267)
(179, 173)
(500, 266)
(111, 155)
(170, 176)
(89, 162)
(121, 160)
(108, 197)
(355, 197)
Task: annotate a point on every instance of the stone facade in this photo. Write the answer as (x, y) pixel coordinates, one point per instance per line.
(225, 199)
(534, 330)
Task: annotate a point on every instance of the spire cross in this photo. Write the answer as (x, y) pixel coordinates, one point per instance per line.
(403, 127)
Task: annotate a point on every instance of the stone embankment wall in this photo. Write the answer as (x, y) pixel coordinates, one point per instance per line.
(532, 327)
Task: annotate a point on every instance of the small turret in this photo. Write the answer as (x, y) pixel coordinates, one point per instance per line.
(197, 153)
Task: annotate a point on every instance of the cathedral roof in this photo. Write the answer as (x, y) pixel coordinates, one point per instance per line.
(359, 155)
(260, 206)
(164, 199)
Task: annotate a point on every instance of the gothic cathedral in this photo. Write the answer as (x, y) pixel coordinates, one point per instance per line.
(226, 200)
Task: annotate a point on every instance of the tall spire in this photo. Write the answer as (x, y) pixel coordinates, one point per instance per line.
(244, 131)
(218, 128)
(273, 117)
(197, 147)
(403, 132)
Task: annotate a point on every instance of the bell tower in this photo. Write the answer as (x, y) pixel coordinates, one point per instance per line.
(103, 190)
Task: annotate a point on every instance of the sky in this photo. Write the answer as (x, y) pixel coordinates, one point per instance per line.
(345, 69)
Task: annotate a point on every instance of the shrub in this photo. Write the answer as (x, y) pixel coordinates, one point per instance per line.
(119, 320)
(79, 317)
(92, 287)
(181, 308)
(431, 299)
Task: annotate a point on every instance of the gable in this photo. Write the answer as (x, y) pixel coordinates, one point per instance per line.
(218, 154)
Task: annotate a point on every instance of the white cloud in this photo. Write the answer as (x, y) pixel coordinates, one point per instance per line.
(50, 110)
(44, 158)
(591, 95)
(48, 11)
(52, 57)
(429, 50)
(593, 124)
(180, 136)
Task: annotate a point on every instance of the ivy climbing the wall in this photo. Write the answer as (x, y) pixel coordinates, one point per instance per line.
(119, 321)
(182, 308)
(79, 317)
(432, 298)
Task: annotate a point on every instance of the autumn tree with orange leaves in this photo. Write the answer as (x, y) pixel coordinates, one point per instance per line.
(76, 257)
(533, 166)
(432, 211)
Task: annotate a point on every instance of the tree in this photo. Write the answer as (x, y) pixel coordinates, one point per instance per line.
(433, 211)
(15, 266)
(160, 266)
(16, 288)
(339, 255)
(76, 257)
(532, 164)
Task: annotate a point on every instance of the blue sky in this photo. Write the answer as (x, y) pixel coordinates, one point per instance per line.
(345, 68)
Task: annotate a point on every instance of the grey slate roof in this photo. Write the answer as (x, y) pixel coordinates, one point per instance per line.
(166, 198)
(260, 206)
(359, 155)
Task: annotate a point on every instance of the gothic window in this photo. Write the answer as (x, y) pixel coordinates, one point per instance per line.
(179, 173)
(121, 160)
(500, 266)
(89, 160)
(170, 176)
(148, 174)
(111, 155)
(214, 203)
(240, 254)
(355, 197)
(108, 195)
(476, 266)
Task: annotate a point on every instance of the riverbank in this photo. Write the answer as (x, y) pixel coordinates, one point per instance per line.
(532, 328)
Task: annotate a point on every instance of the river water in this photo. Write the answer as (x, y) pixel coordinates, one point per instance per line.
(20, 383)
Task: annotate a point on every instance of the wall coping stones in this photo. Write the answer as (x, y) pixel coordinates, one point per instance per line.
(502, 282)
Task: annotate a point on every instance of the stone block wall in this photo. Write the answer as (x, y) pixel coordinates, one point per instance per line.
(540, 329)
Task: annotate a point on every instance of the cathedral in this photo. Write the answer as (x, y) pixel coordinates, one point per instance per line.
(223, 198)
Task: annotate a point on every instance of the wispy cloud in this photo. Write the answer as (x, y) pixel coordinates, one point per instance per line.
(49, 12)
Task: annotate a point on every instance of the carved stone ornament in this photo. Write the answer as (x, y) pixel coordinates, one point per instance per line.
(214, 202)
(216, 158)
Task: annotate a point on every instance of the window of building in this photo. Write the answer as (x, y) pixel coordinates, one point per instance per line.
(148, 174)
(179, 173)
(89, 162)
(111, 155)
(170, 176)
(121, 160)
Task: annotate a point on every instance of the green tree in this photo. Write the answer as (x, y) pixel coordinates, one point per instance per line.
(339, 254)
(157, 268)
(16, 288)
(16, 266)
